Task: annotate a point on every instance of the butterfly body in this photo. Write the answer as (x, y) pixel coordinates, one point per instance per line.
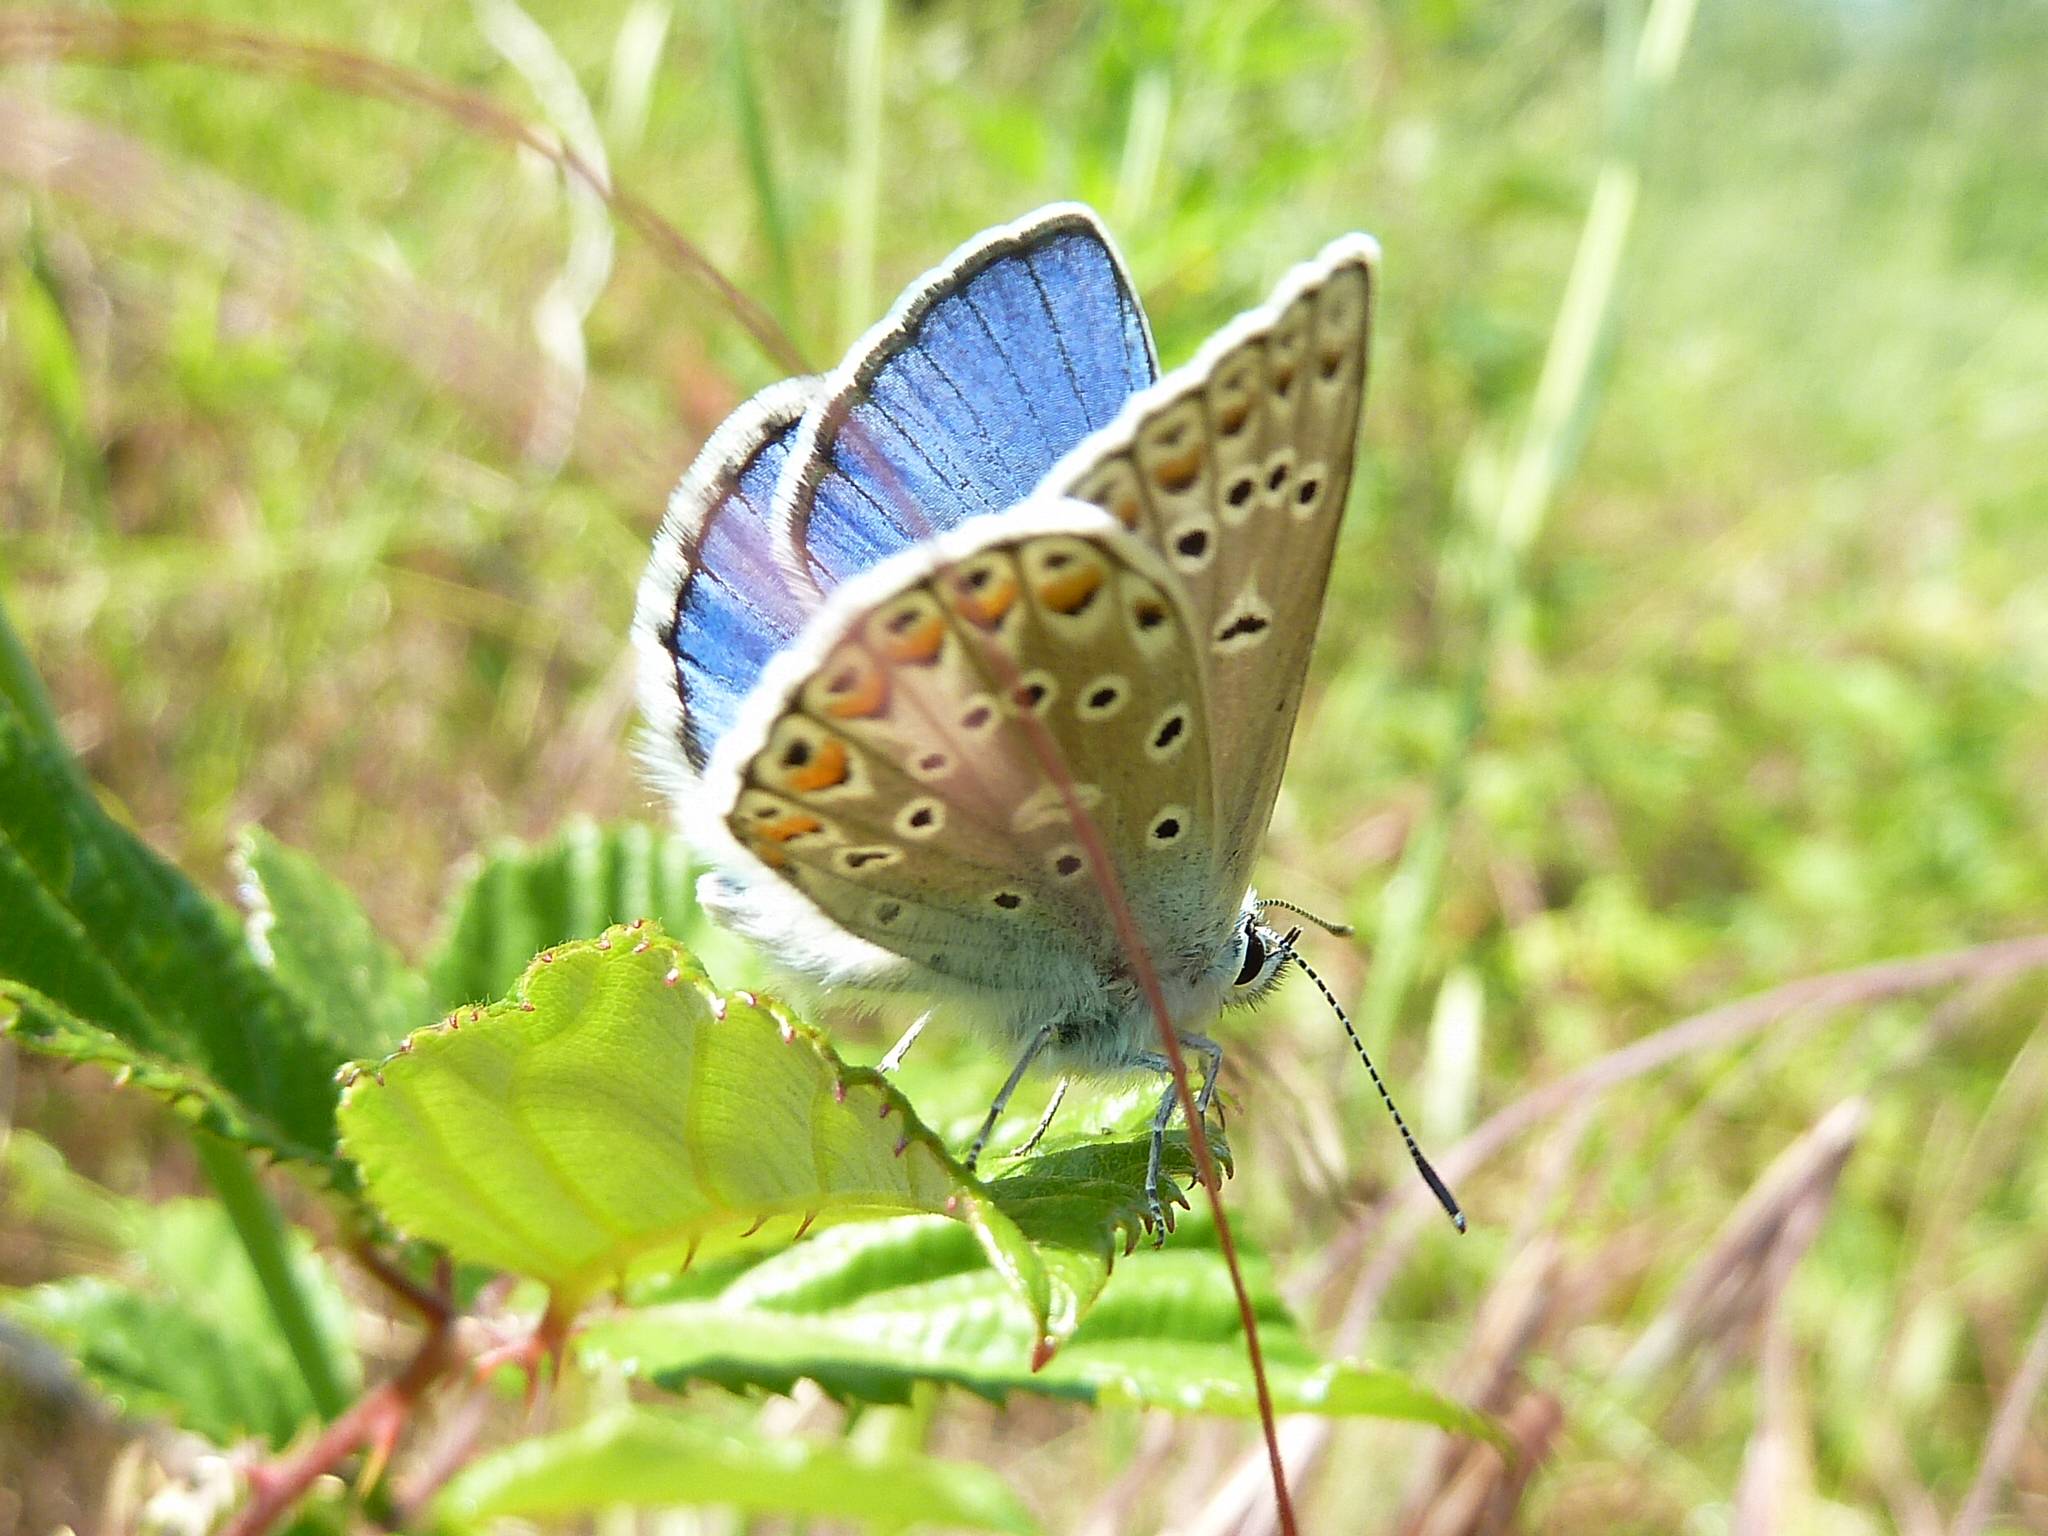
(974, 662)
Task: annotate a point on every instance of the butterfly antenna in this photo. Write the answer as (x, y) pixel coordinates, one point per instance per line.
(1335, 930)
(1436, 1185)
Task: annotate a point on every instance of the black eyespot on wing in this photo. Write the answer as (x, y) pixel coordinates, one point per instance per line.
(1244, 624)
(977, 717)
(932, 762)
(1166, 829)
(796, 754)
(1277, 477)
(1169, 732)
(1150, 615)
(1240, 491)
(888, 912)
(1306, 491)
(1068, 864)
(921, 817)
(1102, 697)
(1192, 543)
(1009, 901)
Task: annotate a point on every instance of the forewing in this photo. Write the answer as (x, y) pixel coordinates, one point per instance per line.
(988, 369)
(1235, 468)
(715, 605)
(915, 767)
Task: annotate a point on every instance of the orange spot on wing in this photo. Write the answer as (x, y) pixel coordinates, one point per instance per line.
(787, 827)
(1180, 471)
(920, 642)
(988, 606)
(1233, 418)
(826, 770)
(865, 697)
(1073, 591)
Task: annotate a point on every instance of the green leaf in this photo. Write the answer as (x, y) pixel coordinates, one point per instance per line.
(44, 1192)
(359, 996)
(43, 342)
(524, 897)
(866, 1312)
(649, 1456)
(190, 1338)
(21, 690)
(1080, 1198)
(109, 955)
(617, 1115)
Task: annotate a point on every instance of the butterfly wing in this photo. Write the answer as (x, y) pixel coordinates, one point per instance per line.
(714, 606)
(987, 370)
(1235, 468)
(912, 764)
(906, 753)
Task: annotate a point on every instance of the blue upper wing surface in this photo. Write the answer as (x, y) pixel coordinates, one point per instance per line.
(716, 605)
(987, 371)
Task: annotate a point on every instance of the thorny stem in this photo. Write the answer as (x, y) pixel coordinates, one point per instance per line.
(435, 1306)
(374, 1421)
(997, 668)
(1125, 922)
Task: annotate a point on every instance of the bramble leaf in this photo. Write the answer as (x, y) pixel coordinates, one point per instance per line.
(866, 1312)
(524, 897)
(656, 1457)
(617, 1115)
(358, 993)
(109, 955)
(188, 1337)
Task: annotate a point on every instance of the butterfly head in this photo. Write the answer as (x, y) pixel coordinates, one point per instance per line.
(1259, 953)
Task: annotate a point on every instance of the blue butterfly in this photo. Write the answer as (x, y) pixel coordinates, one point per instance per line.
(966, 662)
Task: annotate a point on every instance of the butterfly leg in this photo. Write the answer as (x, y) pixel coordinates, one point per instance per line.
(1169, 1101)
(1212, 1068)
(1038, 1043)
(1059, 1095)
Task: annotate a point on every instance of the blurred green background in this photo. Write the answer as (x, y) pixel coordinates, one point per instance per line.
(333, 430)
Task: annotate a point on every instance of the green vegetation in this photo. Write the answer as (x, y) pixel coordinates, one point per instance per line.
(1687, 640)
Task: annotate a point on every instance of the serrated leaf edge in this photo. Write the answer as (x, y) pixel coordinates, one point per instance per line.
(1009, 1252)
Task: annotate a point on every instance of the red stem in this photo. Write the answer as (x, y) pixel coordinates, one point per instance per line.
(436, 1307)
(1047, 751)
(276, 1488)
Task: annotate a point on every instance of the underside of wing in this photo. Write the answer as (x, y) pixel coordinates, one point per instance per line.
(988, 369)
(1235, 468)
(714, 605)
(915, 765)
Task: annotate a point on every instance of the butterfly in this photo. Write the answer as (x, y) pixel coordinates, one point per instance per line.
(975, 658)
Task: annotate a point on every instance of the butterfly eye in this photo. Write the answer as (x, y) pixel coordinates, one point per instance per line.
(1254, 958)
